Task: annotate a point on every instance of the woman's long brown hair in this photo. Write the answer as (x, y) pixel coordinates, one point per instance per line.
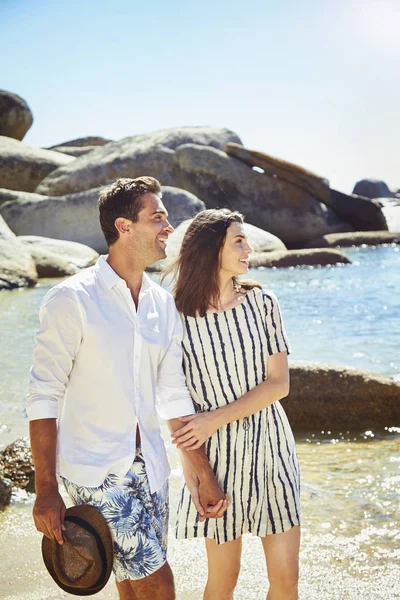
(195, 271)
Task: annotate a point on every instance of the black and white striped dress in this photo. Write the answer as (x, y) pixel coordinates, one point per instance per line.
(254, 459)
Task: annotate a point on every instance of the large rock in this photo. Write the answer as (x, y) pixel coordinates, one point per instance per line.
(11, 195)
(355, 238)
(363, 214)
(80, 146)
(17, 268)
(372, 188)
(391, 211)
(147, 154)
(75, 217)
(5, 491)
(16, 464)
(90, 140)
(298, 258)
(23, 167)
(261, 242)
(285, 210)
(58, 258)
(72, 151)
(180, 204)
(276, 167)
(329, 397)
(15, 115)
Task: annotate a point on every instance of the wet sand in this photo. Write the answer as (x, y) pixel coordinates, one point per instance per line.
(333, 567)
(350, 535)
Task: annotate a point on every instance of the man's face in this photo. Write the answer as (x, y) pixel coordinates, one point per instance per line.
(149, 235)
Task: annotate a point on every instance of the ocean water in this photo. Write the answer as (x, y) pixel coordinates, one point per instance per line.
(347, 315)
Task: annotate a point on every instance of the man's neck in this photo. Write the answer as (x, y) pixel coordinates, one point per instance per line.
(131, 273)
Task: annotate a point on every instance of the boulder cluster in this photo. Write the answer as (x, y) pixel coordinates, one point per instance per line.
(49, 227)
(48, 216)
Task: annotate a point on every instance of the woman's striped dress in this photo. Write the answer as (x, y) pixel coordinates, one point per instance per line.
(254, 459)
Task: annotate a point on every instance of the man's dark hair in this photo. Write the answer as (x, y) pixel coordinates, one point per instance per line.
(123, 199)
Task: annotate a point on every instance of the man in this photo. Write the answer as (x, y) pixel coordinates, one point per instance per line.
(107, 354)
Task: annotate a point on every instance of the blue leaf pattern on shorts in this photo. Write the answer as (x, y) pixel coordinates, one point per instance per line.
(138, 519)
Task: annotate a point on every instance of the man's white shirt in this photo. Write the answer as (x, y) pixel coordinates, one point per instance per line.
(102, 368)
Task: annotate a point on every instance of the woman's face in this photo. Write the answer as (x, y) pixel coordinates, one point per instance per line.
(234, 254)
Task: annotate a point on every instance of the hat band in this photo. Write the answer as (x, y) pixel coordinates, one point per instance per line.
(85, 525)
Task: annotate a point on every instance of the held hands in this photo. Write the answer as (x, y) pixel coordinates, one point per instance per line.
(207, 495)
(48, 515)
(197, 430)
(211, 496)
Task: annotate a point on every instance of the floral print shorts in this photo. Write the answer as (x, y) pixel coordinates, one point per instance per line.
(138, 519)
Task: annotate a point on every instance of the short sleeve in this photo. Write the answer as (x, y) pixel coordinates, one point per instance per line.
(277, 340)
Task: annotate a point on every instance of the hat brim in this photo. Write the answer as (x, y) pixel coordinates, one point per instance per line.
(97, 521)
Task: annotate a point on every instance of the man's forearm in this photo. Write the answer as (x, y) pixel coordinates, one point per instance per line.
(206, 493)
(197, 459)
(43, 434)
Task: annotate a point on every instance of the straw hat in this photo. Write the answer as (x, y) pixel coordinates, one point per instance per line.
(82, 565)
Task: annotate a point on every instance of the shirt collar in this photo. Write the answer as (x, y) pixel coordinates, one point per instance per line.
(108, 274)
(111, 278)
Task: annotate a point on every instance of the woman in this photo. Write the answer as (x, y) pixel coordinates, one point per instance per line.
(235, 357)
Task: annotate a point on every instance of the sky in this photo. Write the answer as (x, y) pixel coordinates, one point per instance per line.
(314, 82)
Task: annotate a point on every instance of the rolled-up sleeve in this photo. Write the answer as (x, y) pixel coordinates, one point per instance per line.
(173, 398)
(56, 345)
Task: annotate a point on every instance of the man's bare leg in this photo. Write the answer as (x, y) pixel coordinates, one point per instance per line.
(158, 586)
(125, 590)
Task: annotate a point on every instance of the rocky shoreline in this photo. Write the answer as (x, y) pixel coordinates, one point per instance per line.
(49, 228)
(52, 192)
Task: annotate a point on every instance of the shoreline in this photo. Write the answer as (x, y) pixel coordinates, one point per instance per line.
(30, 580)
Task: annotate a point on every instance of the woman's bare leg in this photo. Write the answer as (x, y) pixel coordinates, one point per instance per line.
(282, 557)
(223, 569)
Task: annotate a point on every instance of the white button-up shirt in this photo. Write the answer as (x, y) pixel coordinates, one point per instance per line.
(102, 368)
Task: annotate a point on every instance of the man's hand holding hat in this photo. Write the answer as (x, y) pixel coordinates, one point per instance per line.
(49, 513)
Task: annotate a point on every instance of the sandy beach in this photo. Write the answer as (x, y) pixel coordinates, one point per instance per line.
(353, 563)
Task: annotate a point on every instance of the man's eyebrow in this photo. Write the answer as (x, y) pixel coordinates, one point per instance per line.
(160, 212)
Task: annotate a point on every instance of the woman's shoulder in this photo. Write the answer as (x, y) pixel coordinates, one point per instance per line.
(262, 295)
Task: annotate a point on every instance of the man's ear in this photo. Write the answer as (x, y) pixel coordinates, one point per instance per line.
(122, 225)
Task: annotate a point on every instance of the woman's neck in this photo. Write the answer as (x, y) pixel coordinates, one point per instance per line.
(227, 290)
(229, 294)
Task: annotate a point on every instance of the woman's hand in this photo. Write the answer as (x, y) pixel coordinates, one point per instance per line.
(197, 430)
(206, 493)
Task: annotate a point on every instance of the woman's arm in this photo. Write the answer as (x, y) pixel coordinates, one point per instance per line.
(200, 427)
